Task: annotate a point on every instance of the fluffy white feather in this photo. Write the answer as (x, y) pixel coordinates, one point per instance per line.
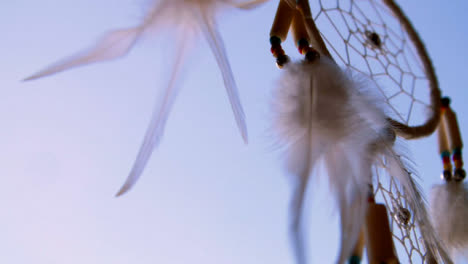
(325, 114)
(187, 17)
(449, 210)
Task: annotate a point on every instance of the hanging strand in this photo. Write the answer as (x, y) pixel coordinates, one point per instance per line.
(279, 32)
(278, 52)
(444, 148)
(450, 124)
(287, 17)
(301, 37)
(449, 200)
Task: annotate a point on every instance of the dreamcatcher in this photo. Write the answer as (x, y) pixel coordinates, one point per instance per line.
(373, 39)
(340, 41)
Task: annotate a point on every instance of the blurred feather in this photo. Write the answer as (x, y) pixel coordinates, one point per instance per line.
(449, 210)
(155, 129)
(192, 16)
(112, 45)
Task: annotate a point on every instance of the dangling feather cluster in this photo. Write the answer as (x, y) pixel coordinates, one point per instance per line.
(449, 210)
(326, 115)
(186, 17)
(323, 113)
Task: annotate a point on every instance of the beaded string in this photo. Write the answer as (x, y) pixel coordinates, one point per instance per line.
(279, 32)
(444, 148)
(287, 17)
(278, 52)
(310, 53)
(450, 124)
(301, 37)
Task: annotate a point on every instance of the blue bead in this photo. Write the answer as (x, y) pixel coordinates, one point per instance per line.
(274, 40)
(354, 260)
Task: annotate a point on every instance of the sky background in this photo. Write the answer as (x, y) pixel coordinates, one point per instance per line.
(68, 141)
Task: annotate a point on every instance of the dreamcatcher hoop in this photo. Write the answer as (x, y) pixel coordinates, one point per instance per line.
(402, 129)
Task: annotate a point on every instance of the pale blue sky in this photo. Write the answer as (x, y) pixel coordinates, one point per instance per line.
(68, 141)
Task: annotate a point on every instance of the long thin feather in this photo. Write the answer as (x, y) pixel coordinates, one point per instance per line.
(297, 212)
(304, 154)
(306, 158)
(158, 121)
(112, 45)
(217, 47)
(351, 194)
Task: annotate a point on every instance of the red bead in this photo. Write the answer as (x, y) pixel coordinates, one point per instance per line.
(277, 51)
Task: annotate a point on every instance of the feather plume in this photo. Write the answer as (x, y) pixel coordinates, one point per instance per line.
(188, 16)
(325, 114)
(449, 211)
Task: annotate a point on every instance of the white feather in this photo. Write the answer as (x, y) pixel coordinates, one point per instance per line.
(187, 17)
(323, 113)
(449, 211)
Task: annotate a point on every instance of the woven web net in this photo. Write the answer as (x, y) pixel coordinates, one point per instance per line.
(365, 36)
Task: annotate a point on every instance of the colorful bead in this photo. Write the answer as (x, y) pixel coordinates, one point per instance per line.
(312, 55)
(445, 155)
(459, 174)
(274, 40)
(446, 175)
(302, 46)
(278, 52)
(457, 158)
(445, 102)
(354, 260)
(282, 60)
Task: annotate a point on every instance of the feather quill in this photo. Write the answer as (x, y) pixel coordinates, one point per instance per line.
(190, 15)
(325, 114)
